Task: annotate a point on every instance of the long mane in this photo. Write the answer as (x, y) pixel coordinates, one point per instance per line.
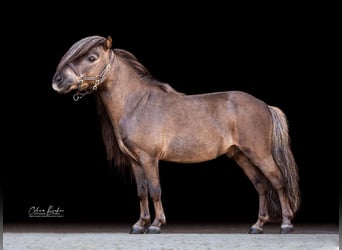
(141, 71)
(113, 152)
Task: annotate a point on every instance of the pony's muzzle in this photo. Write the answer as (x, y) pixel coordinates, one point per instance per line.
(58, 78)
(61, 83)
(57, 82)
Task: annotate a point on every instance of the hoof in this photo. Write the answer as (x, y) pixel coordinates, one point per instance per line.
(285, 229)
(256, 230)
(153, 230)
(137, 230)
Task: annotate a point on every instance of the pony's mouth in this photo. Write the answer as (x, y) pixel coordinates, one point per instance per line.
(63, 88)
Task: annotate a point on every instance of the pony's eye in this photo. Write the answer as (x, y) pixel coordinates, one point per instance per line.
(91, 58)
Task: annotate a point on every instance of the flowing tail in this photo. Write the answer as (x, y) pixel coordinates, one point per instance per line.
(284, 159)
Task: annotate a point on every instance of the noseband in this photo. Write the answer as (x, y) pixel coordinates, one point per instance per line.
(98, 79)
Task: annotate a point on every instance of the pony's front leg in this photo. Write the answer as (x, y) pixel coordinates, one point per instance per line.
(142, 190)
(151, 168)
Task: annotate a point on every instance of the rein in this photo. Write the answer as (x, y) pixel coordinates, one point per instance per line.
(98, 79)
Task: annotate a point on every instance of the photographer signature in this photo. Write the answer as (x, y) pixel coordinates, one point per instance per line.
(51, 211)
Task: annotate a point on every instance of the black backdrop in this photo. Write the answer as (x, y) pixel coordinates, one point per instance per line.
(56, 156)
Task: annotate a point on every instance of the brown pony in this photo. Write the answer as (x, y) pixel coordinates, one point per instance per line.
(144, 121)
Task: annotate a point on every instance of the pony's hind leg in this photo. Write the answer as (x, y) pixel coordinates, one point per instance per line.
(274, 175)
(260, 183)
(269, 168)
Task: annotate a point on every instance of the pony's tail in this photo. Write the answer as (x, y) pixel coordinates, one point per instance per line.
(284, 159)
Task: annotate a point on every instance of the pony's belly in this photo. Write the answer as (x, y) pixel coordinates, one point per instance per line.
(193, 149)
(188, 159)
(189, 155)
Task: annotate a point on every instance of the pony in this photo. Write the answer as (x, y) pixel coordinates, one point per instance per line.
(144, 121)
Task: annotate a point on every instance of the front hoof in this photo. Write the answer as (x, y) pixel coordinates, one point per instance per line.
(153, 230)
(137, 230)
(285, 229)
(256, 230)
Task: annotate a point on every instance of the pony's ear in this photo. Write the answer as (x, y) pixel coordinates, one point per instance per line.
(108, 43)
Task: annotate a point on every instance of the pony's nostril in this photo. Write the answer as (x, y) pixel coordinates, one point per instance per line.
(58, 78)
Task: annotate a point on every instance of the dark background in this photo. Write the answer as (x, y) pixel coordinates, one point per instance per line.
(54, 150)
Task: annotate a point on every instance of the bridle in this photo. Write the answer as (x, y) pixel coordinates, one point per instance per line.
(98, 79)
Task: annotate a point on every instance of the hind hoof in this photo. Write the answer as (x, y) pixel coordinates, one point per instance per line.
(153, 230)
(285, 229)
(137, 230)
(255, 230)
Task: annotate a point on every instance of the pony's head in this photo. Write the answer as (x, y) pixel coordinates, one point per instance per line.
(84, 66)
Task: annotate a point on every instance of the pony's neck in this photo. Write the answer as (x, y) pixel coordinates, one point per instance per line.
(124, 88)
